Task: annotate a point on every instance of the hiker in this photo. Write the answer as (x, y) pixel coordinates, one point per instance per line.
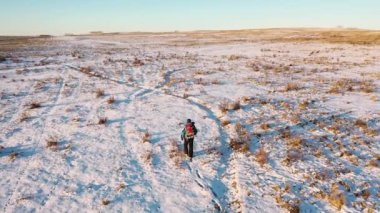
(187, 135)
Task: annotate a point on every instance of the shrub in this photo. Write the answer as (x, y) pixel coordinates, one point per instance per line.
(295, 118)
(148, 157)
(223, 106)
(12, 156)
(120, 187)
(225, 122)
(99, 93)
(245, 99)
(285, 134)
(235, 105)
(52, 142)
(337, 198)
(137, 62)
(261, 156)
(146, 136)
(367, 87)
(375, 162)
(24, 116)
(292, 155)
(111, 100)
(86, 70)
(175, 153)
(102, 120)
(34, 105)
(303, 105)
(361, 124)
(105, 201)
(295, 142)
(291, 86)
(264, 126)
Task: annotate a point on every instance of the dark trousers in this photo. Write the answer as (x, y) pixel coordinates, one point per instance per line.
(189, 147)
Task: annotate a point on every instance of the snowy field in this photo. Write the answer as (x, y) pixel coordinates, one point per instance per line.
(288, 121)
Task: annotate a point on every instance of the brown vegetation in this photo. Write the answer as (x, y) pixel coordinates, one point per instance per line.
(111, 100)
(12, 156)
(102, 120)
(99, 93)
(292, 86)
(261, 156)
(105, 201)
(52, 143)
(146, 136)
(34, 105)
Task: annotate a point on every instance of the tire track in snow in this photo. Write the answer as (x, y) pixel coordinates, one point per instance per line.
(37, 142)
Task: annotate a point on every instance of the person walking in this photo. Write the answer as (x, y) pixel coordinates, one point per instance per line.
(187, 135)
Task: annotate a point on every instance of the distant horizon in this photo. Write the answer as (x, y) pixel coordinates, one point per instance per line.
(196, 30)
(59, 17)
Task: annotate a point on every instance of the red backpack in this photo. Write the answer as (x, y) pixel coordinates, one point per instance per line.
(189, 131)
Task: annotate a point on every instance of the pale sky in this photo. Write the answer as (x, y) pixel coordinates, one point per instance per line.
(57, 17)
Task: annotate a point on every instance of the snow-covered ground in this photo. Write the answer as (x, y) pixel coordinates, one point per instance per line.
(93, 123)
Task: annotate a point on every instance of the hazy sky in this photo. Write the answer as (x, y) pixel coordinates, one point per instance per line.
(31, 17)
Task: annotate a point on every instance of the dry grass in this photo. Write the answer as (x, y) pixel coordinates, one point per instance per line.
(120, 187)
(225, 122)
(86, 70)
(148, 157)
(292, 87)
(105, 202)
(361, 124)
(375, 162)
(245, 99)
(24, 116)
(295, 143)
(175, 153)
(337, 198)
(99, 93)
(303, 105)
(264, 126)
(52, 143)
(241, 143)
(292, 155)
(102, 121)
(235, 57)
(235, 105)
(34, 105)
(111, 100)
(223, 106)
(261, 156)
(286, 134)
(147, 137)
(137, 62)
(367, 87)
(12, 156)
(344, 85)
(295, 118)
